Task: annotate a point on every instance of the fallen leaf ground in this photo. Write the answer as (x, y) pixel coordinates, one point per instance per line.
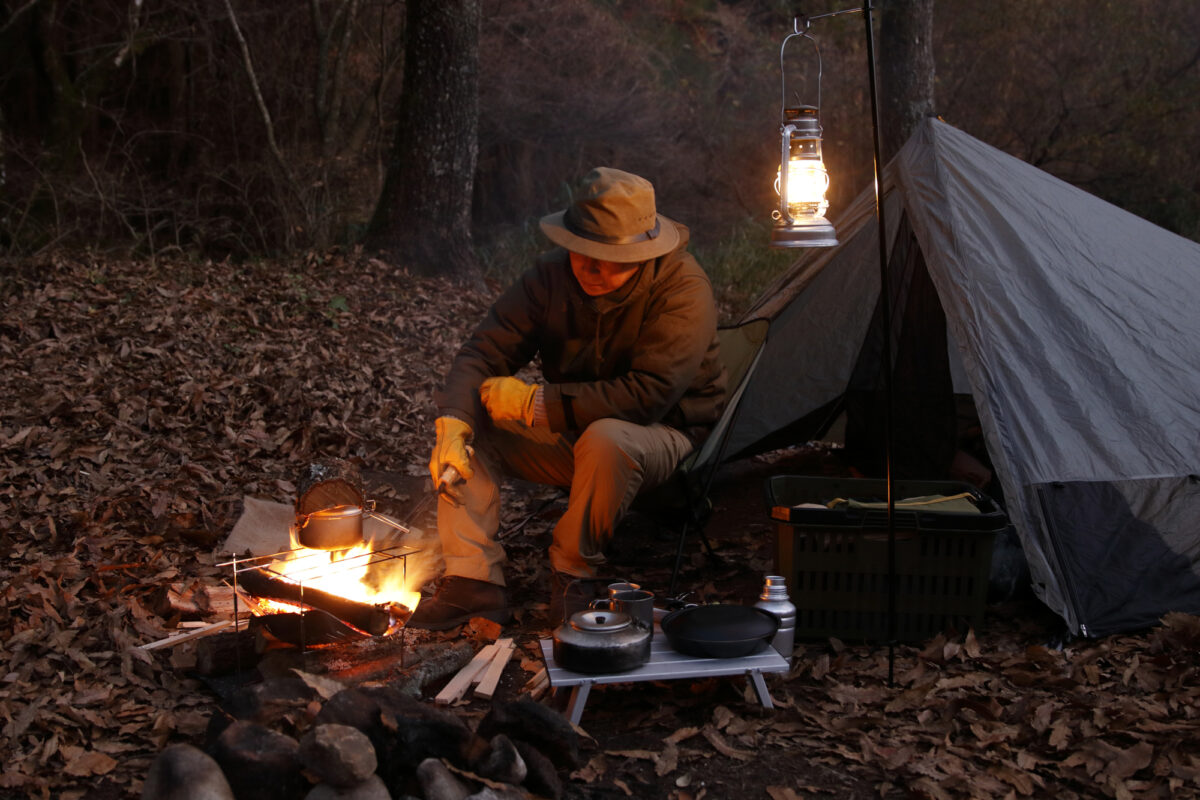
(141, 402)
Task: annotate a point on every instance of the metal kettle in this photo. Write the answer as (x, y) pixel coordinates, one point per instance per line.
(599, 641)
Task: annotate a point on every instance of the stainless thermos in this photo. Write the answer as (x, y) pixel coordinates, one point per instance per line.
(774, 598)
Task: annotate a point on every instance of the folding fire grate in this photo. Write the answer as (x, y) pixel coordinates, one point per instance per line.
(289, 577)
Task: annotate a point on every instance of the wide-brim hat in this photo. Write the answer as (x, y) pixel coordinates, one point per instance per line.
(612, 217)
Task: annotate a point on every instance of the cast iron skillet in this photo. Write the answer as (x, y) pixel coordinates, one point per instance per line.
(719, 631)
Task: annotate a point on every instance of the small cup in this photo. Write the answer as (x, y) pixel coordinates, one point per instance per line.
(637, 603)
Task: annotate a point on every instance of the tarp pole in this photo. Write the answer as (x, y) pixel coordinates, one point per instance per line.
(885, 308)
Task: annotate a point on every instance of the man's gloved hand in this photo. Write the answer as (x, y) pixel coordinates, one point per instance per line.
(452, 449)
(509, 398)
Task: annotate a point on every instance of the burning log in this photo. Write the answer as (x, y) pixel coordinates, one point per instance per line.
(374, 620)
(315, 627)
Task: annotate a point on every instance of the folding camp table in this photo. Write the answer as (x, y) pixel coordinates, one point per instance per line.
(665, 664)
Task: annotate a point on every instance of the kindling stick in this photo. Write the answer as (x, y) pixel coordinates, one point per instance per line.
(194, 633)
(459, 684)
(487, 686)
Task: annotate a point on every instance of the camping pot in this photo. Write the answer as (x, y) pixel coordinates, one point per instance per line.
(599, 641)
(335, 528)
(338, 527)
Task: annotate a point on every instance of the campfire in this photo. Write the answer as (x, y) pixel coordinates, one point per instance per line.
(310, 597)
(331, 584)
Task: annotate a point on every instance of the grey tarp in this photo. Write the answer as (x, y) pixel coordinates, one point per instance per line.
(1076, 328)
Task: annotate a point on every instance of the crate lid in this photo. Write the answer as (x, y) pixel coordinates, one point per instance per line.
(861, 503)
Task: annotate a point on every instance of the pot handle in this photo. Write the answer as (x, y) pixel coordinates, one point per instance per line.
(387, 521)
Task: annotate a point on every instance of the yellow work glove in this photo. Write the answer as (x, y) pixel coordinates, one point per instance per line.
(452, 449)
(509, 399)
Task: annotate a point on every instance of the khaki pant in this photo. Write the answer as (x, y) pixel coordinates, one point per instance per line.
(605, 467)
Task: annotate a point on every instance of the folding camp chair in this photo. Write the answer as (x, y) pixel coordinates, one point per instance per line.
(685, 493)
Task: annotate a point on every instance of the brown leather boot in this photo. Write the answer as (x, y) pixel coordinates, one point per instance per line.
(457, 600)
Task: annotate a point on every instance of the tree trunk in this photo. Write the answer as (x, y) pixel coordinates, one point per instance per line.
(906, 70)
(424, 214)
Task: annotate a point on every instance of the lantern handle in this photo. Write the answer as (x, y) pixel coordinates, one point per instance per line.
(783, 72)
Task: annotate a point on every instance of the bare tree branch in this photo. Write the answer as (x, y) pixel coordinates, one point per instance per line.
(17, 14)
(258, 98)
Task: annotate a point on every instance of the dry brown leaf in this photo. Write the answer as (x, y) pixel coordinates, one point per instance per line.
(1043, 715)
(718, 742)
(910, 698)
(913, 675)
(1019, 779)
(667, 761)
(1060, 735)
(721, 717)
(88, 763)
(646, 755)
(970, 680)
(930, 788)
(990, 734)
(681, 734)
(820, 666)
(935, 649)
(1123, 763)
(857, 696)
(1119, 789)
(592, 771)
(971, 644)
(782, 793)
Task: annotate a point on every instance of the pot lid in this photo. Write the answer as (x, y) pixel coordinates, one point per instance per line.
(337, 512)
(600, 621)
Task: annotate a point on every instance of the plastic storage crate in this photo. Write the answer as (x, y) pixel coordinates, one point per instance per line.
(836, 564)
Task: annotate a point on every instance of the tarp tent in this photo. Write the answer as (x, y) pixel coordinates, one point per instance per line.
(1075, 327)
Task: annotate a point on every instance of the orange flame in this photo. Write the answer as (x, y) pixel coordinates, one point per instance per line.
(358, 573)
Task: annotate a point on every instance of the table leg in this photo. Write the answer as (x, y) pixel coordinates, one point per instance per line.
(579, 696)
(760, 688)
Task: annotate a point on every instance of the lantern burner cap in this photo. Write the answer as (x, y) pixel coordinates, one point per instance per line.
(804, 120)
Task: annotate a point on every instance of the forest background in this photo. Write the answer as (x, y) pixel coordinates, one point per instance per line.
(134, 128)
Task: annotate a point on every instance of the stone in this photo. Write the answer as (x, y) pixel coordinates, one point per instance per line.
(403, 730)
(439, 783)
(541, 777)
(500, 762)
(370, 789)
(273, 703)
(530, 721)
(339, 755)
(259, 763)
(184, 772)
